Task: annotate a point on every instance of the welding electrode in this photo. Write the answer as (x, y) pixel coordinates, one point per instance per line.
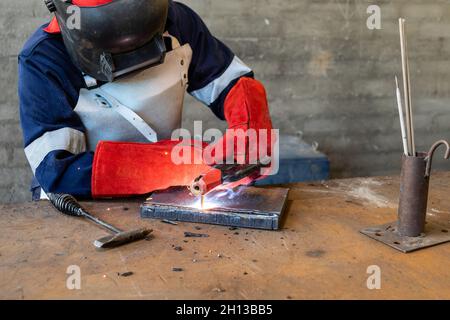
(402, 119)
(407, 89)
(68, 205)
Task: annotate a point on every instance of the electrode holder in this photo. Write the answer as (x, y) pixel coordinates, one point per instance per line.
(411, 231)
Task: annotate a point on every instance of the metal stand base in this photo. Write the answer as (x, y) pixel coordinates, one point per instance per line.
(388, 234)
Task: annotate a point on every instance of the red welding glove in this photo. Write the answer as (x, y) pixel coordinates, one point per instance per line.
(124, 169)
(246, 108)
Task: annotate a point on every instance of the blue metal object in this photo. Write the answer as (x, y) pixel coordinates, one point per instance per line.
(299, 162)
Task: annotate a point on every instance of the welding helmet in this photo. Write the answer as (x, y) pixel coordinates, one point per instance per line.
(113, 38)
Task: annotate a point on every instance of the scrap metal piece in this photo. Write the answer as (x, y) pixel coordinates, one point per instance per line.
(195, 235)
(388, 234)
(244, 206)
(169, 222)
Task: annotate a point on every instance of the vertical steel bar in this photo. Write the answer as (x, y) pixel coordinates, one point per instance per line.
(405, 84)
(410, 108)
(402, 118)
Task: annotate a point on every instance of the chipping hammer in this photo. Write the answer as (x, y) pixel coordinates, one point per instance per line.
(68, 205)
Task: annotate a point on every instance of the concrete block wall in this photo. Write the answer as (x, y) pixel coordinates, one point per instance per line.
(327, 75)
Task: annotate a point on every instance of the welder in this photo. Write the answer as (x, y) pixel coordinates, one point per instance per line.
(101, 90)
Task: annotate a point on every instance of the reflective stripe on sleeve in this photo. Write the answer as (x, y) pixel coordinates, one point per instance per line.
(212, 91)
(67, 139)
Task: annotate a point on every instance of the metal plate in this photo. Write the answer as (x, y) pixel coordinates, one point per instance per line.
(249, 207)
(388, 234)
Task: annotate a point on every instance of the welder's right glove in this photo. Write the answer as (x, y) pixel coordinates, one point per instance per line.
(246, 109)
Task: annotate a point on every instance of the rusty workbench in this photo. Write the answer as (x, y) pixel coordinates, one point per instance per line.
(318, 254)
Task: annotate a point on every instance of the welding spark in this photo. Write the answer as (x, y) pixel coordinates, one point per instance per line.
(215, 199)
(204, 203)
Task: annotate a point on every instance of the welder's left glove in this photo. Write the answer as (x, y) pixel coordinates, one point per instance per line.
(123, 169)
(246, 109)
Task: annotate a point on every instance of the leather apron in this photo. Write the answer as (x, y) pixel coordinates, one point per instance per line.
(145, 106)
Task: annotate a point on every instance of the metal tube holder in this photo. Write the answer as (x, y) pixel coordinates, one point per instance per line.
(411, 231)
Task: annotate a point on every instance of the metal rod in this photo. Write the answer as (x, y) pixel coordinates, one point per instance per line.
(432, 151)
(402, 119)
(401, 24)
(101, 222)
(410, 108)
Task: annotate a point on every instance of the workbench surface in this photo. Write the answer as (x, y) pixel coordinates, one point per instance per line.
(319, 253)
